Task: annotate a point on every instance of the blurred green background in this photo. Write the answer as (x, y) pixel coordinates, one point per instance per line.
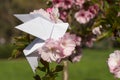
(93, 65)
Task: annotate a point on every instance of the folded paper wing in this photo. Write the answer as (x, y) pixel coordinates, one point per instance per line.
(37, 43)
(38, 27)
(24, 17)
(42, 28)
(59, 30)
(28, 17)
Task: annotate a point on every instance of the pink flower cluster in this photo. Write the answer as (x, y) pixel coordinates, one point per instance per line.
(63, 15)
(65, 4)
(83, 16)
(56, 50)
(79, 2)
(114, 63)
(51, 14)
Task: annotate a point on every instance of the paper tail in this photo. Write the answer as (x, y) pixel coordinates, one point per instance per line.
(33, 60)
(31, 54)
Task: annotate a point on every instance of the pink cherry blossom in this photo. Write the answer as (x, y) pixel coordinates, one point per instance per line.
(78, 40)
(64, 4)
(82, 16)
(75, 57)
(114, 63)
(41, 12)
(56, 50)
(49, 10)
(51, 14)
(68, 42)
(96, 30)
(79, 2)
(63, 15)
(54, 14)
(51, 51)
(93, 9)
(89, 42)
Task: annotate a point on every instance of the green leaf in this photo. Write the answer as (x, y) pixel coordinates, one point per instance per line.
(105, 34)
(15, 53)
(46, 64)
(118, 39)
(37, 77)
(42, 68)
(59, 68)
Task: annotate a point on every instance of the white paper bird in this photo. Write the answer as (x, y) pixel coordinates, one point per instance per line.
(42, 28)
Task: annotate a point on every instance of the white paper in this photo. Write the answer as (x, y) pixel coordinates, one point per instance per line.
(40, 27)
(30, 53)
(37, 43)
(24, 17)
(28, 17)
(33, 60)
(59, 30)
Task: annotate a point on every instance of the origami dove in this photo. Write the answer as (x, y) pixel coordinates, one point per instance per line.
(42, 28)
